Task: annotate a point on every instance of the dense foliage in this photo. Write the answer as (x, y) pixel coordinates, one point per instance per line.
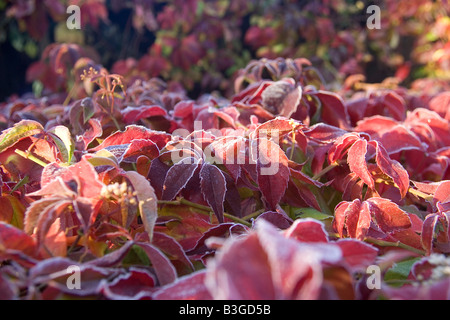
(283, 186)
(202, 43)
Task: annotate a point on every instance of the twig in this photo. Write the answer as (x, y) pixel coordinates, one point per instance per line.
(326, 170)
(31, 157)
(207, 210)
(398, 244)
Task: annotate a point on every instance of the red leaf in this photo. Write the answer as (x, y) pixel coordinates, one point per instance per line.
(176, 179)
(357, 254)
(157, 175)
(393, 169)
(164, 269)
(428, 230)
(352, 219)
(134, 114)
(278, 126)
(382, 129)
(183, 108)
(395, 103)
(173, 249)
(404, 140)
(340, 216)
(13, 239)
(214, 187)
(376, 125)
(8, 291)
(54, 272)
(388, 215)
(139, 147)
(278, 220)
(363, 223)
(81, 177)
(307, 230)
(131, 133)
(341, 145)
(190, 287)
(324, 133)
(55, 240)
(442, 193)
(441, 104)
(240, 271)
(113, 258)
(94, 131)
(334, 111)
(136, 284)
(272, 169)
(265, 265)
(356, 159)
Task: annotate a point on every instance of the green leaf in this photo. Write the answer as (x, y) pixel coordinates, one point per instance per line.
(63, 140)
(103, 158)
(311, 213)
(19, 184)
(398, 274)
(22, 129)
(136, 256)
(18, 211)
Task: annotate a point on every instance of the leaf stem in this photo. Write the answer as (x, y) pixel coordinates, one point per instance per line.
(253, 215)
(31, 157)
(421, 194)
(321, 201)
(201, 207)
(292, 146)
(326, 170)
(397, 244)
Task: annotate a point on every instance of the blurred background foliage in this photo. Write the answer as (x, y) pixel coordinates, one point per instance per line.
(202, 44)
